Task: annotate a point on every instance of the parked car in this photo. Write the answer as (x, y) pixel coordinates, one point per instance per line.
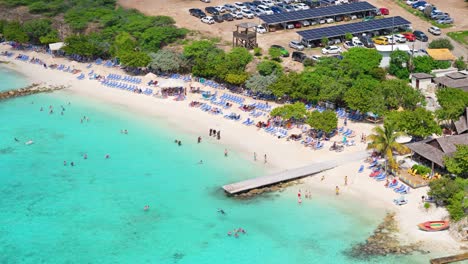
(302, 6)
(409, 36)
(419, 35)
(268, 3)
(208, 20)
(211, 10)
(316, 57)
(284, 51)
(261, 29)
(251, 6)
(276, 10)
(446, 20)
(305, 23)
(418, 4)
(218, 18)
(357, 43)
(257, 12)
(339, 18)
(227, 17)
(330, 20)
(384, 11)
(294, 44)
(298, 56)
(368, 18)
(288, 8)
(390, 39)
(434, 30)
(230, 8)
(348, 45)
(367, 41)
(381, 41)
(220, 9)
(197, 12)
(289, 26)
(423, 7)
(206, 1)
(297, 24)
(331, 50)
(239, 5)
(265, 9)
(399, 38)
(411, 2)
(248, 14)
(440, 15)
(237, 15)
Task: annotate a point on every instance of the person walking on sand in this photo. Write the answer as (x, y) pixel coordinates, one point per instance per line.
(345, 180)
(323, 178)
(337, 190)
(211, 132)
(255, 156)
(199, 140)
(265, 158)
(225, 153)
(219, 134)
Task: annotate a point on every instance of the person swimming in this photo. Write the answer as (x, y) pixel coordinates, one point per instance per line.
(85, 156)
(221, 211)
(17, 140)
(200, 162)
(107, 156)
(146, 208)
(72, 164)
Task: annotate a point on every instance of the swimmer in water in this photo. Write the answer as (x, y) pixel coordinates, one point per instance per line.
(200, 162)
(85, 156)
(42, 109)
(72, 164)
(17, 140)
(146, 208)
(64, 163)
(107, 156)
(221, 211)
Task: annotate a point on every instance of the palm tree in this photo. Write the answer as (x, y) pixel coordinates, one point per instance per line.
(384, 141)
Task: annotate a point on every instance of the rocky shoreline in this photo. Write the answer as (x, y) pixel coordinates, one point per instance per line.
(273, 188)
(384, 241)
(29, 90)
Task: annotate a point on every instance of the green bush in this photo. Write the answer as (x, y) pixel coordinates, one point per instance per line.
(421, 169)
(452, 193)
(258, 51)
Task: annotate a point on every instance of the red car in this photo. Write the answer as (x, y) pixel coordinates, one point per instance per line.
(297, 25)
(384, 11)
(409, 36)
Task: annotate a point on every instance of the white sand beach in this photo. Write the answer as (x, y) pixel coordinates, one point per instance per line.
(246, 140)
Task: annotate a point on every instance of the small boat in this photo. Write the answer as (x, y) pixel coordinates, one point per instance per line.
(432, 226)
(29, 142)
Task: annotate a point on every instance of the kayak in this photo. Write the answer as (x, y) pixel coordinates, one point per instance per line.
(432, 226)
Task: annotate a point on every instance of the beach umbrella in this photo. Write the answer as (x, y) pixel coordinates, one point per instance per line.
(150, 76)
(171, 83)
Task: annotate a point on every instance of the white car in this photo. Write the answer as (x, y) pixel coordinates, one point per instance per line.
(330, 20)
(261, 29)
(302, 6)
(230, 8)
(265, 9)
(258, 12)
(357, 42)
(247, 14)
(208, 20)
(268, 3)
(239, 5)
(349, 45)
(390, 39)
(399, 38)
(316, 57)
(331, 50)
(206, 1)
(237, 15)
(220, 9)
(296, 7)
(434, 30)
(296, 45)
(411, 2)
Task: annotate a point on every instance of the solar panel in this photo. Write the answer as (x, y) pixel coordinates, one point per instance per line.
(317, 13)
(353, 28)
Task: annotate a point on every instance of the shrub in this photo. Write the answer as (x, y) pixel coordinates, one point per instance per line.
(258, 51)
(421, 169)
(441, 43)
(460, 64)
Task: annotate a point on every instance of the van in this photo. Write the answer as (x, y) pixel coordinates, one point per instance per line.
(367, 41)
(265, 9)
(298, 56)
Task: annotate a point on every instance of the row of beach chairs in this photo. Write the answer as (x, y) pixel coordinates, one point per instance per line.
(262, 106)
(81, 77)
(233, 98)
(126, 78)
(248, 122)
(256, 113)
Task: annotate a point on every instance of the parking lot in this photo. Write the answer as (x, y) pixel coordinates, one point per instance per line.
(179, 10)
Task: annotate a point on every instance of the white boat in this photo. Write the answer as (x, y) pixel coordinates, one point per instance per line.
(29, 142)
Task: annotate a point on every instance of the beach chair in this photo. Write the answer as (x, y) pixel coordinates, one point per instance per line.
(400, 201)
(393, 185)
(400, 188)
(361, 169)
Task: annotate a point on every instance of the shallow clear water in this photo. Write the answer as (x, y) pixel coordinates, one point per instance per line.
(93, 212)
(10, 79)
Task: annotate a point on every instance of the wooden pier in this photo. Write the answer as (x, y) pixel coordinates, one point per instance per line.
(290, 175)
(450, 259)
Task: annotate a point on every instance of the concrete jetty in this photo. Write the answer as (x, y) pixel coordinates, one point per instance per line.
(293, 174)
(450, 259)
(32, 89)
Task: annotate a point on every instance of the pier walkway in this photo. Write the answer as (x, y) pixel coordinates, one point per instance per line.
(293, 174)
(450, 259)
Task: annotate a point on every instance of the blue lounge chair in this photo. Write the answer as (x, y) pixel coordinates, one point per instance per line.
(361, 169)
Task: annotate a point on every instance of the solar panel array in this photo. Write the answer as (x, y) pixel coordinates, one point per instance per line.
(317, 13)
(353, 28)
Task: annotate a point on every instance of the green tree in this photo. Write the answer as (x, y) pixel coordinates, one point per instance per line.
(234, 62)
(366, 96)
(204, 57)
(84, 45)
(397, 93)
(135, 59)
(384, 141)
(37, 28)
(423, 64)
(286, 85)
(123, 43)
(236, 78)
(441, 43)
(153, 38)
(275, 54)
(267, 67)
(50, 37)
(295, 111)
(14, 31)
(259, 84)
(348, 36)
(452, 101)
(419, 122)
(3, 23)
(458, 162)
(360, 60)
(325, 41)
(166, 61)
(452, 193)
(460, 64)
(326, 121)
(399, 62)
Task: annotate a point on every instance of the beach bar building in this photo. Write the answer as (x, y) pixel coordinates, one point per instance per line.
(434, 150)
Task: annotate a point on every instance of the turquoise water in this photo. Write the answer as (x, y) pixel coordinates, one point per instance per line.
(10, 80)
(93, 212)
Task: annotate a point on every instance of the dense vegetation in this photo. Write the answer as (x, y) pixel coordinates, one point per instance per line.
(99, 29)
(452, 193)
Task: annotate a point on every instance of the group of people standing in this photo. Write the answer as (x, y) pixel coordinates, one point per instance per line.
(216, 134)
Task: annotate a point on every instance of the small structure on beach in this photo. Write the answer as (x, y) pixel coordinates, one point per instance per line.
(461, 125)
(434, 150)
(245, 36)
(454, 80)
